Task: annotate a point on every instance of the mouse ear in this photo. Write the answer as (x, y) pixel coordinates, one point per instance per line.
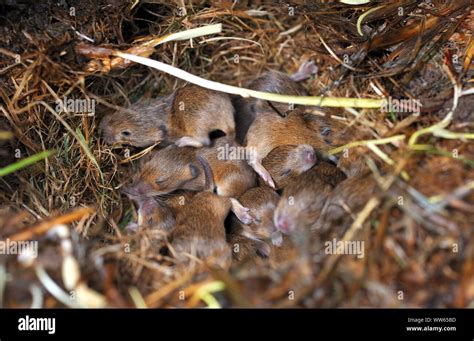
(194, 170)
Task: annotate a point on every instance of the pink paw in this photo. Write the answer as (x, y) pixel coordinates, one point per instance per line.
(132, 227)
(187, 141)
(268, 179)
(277, 238)
(244, 216)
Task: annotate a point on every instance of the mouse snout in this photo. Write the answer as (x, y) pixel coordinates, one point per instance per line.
(149, 206)
(107, 136)
(308, 154)
(310, 157)
(138, 189)
(283, 224)
(105, 130)
(130, 192)
(132, 227)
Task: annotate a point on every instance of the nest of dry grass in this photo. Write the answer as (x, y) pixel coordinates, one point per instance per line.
(417, 254)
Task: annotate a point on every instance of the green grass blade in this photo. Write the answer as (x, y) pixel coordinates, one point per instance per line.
(89, 153)
(24, 162)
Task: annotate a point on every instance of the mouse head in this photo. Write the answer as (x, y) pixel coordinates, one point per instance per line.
(262, 202)
(301, 203)
(262, 223)
(293, 213)
(298, 158)
(140, 125)
(155, 214)
(288, 161)
(167, 170)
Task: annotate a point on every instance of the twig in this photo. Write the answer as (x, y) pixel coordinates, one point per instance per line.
(302, 100)
(365, 143)
(45, 225)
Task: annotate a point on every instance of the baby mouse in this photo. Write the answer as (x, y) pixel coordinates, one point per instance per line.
(283, 253)
(200, 226)
(196, 112)
(173, 168)
(288, 161)
(152, 213)
(271, 131)
(303, 199)
(186, 118)
(273, 82)
(176, 200)
(167, 170)
(246, 249)
(232, 174)
(351, 194)
(243, 249)
(142, 124)
(262, 202)
(200, 229)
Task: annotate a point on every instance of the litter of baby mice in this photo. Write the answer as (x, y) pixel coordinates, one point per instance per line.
(286, 152)
(236, 154)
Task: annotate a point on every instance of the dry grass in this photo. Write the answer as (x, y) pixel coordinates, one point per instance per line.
(417, 254)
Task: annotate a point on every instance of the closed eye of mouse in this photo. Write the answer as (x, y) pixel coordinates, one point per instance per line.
(170, 169)
(325, 131)
(257, 219)
(171, 181)
(160, 181)
(194, 171)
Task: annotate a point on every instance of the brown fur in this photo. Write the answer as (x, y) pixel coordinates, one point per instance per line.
(232, 177)
(200, 229)
(302, 201)
(287, 162)
(153, 213)
(286, 253)
(277, 83)
(169, 169)
(352, 193)
(178, 199)
(179, 169)
(197, 111)
(243, 248)
(142, 124)
(190, 111)
(254, 239)
(248, 108)
(262, 202)
(270, 131)
(329, 173)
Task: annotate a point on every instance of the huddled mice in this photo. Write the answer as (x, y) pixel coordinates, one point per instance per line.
(231, 179)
